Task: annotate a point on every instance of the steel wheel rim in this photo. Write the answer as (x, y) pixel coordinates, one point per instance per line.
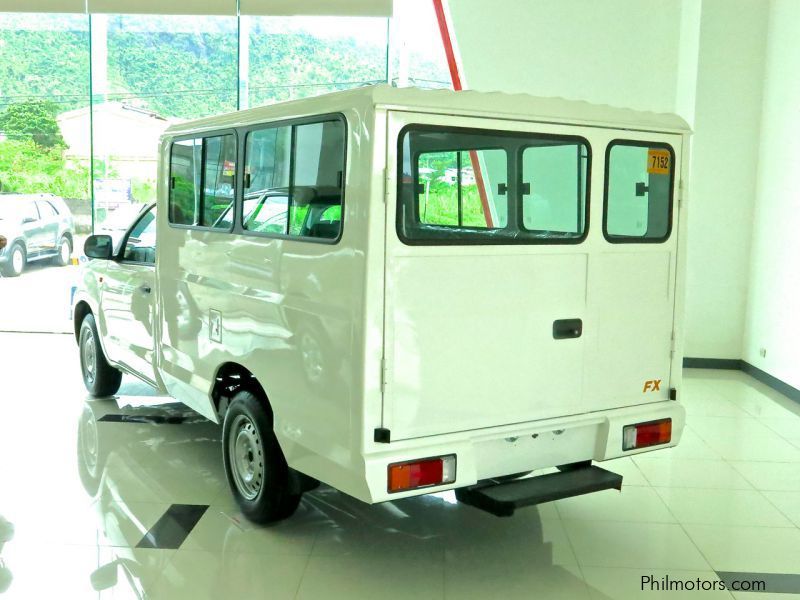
(65, 252)
(17, 260)
(246, 457)
(89, 443)
(89, 357)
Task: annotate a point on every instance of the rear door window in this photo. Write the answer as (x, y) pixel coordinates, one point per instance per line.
(639, 190)
(475, 186)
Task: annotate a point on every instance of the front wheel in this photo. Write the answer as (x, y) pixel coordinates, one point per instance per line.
(99, 377)
(16, 261)
(254, 463)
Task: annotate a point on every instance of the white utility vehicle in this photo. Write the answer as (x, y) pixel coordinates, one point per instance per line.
(399, 292)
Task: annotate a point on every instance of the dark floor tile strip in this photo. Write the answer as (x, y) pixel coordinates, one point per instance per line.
(173, 527)
(729, 364)
(774, 583)
(153, 419)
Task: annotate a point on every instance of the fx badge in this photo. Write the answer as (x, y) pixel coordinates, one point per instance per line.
(651, 385)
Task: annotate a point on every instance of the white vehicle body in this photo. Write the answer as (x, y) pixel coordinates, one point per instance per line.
(431, 349)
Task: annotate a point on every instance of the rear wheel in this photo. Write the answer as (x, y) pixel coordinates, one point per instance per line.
(99, 377)
(64, 252)
(257, 472)
(16, 262)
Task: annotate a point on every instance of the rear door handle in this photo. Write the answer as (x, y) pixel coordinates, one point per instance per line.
(145, 288)
(564, 329)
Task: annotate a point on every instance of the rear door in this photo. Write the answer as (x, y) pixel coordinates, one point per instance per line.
(486, 273)
(634, 263)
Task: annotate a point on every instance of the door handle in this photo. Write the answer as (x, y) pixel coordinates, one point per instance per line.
(145, 288)
(565, 329)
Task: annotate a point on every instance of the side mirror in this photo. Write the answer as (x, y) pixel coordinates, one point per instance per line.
(105, 577)
(99, 246)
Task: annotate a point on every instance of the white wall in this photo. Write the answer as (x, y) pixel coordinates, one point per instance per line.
(701, 59)
(620, 52)
(726, 123)
(773, 310)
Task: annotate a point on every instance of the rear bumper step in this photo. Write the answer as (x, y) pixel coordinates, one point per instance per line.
(502, 499)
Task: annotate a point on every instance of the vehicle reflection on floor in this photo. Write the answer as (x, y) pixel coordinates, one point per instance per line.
(139, 467)
(6, 534)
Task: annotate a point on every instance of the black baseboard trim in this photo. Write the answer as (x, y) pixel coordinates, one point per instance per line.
(773, 382)
(735, 364)
(729, 364)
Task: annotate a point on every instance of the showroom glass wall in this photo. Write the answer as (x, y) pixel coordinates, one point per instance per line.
(83, 92)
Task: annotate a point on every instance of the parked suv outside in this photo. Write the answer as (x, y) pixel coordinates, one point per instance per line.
(37, 227)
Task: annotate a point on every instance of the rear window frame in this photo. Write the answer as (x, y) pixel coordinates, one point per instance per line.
(527, 239)
(633, 239)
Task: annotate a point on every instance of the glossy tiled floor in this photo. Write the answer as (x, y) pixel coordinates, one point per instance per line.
(727, 499)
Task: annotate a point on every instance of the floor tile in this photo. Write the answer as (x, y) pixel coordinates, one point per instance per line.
(770, 476)
(722, 507)
(372, 575)
(635, 545)
(690, 473)
(748, 549)
(200, 575)
(487, 577)
(632, 504)
(786, 502)
(743, 439)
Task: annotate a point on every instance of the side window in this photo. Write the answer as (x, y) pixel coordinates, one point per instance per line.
(29, 211)
(449, 194)
(266, 180)
(140, 246)
(294, 180)
(317, 184)
(639, 184)
(184, 193)
(219, 172)
(554, 188)
(203, 171)
(47, 210)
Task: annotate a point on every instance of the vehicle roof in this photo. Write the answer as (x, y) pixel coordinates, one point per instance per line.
(6, 196)
(490, 104)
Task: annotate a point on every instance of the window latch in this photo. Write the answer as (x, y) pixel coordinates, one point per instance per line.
(641, 188)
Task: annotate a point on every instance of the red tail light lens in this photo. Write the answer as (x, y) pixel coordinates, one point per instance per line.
(421, 473)
(642, 435)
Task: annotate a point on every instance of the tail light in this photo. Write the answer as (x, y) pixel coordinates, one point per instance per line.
(642, 435)
(425, 472)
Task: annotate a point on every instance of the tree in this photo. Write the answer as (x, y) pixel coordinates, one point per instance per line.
(32, 120)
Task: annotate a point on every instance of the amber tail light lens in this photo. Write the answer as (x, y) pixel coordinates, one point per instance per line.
(426, 472)
(642, 435)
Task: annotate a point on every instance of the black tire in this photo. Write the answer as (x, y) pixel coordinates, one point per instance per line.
(99, 377)
(9, 269)
(260, 479)
(59, 259)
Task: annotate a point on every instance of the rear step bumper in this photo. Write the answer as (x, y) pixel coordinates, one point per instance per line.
(502, 499)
